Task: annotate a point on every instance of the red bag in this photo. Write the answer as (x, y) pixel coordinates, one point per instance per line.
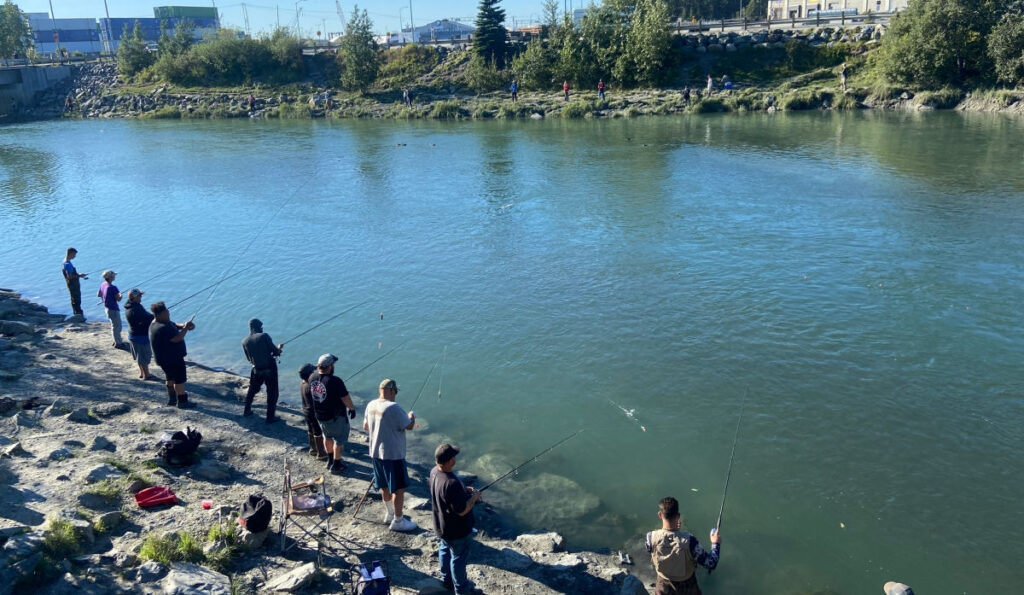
(155, 496)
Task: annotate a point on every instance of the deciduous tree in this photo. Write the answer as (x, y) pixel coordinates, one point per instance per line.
(359, 59)
(15, 36)
(1006, 45)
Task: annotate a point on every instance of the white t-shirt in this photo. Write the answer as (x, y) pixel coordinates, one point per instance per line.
(387, 421)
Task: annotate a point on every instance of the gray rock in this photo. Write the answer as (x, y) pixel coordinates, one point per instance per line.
(541, 542)
(24, 544)
(14, 328)
(103, 472)
(136, 486)
(60, 454)
(13, 450)
(109, 520)
(95, 501)
(192, 579)
(251, 541)
(26, 567)
(513, 560)
(81, 416)
(213, 471)
(415, 503)
(536, 116)
(151, 571)
(101, 443)
(560, 561)
(294, 580)
(9, 532)
(111, 409)
(632, 586)
(56, 408)
(83, 528)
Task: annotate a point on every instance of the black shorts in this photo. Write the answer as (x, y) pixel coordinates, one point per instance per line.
(174, 371)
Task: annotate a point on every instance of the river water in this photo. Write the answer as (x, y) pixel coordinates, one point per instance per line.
(859, 273)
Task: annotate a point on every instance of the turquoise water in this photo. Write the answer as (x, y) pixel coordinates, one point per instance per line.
(860, 273)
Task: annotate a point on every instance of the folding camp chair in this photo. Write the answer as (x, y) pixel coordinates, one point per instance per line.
(307, 508)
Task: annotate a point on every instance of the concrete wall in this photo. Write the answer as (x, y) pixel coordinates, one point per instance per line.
(21, 87)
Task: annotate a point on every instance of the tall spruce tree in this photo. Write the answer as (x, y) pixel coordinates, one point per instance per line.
(359, 59)
(490, 35)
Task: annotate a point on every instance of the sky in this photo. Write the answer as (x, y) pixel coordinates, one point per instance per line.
(314, 15)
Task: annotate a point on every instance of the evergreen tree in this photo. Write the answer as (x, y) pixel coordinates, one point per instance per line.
(132, 54)
(15, 37)
(1006, 44)
(359, 60)
(489, 39)
(647, 44)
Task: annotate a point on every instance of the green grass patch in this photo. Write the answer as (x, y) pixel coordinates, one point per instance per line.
(291, 111)
(711, 105)
(165, 549)
(63, 540)
(107, 489)
(118, 464)
(227, 533)
(575, 110)
(447, 110)
(167, 112)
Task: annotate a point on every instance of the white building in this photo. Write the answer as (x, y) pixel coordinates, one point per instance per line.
(803, 9)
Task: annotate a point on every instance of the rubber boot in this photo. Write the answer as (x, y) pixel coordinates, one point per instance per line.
(183, 402)
(172, 397)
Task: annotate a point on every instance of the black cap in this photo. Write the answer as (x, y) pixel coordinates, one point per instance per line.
(306, 371)
(445, 453)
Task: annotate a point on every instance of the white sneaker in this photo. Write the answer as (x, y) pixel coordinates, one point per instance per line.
(389, 515)
(403, 524)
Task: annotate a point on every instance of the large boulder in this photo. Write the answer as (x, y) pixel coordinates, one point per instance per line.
(294, 580)
(541, 542)
(14, 328)
(192, 579)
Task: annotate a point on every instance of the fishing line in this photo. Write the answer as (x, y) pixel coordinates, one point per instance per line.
(393, 349)
(141, 283)
(440, 378)
(210, 286)
(533, 458)
(629, 413)
(320, 324)
(728, 474)
(424, 385)
(255, 236)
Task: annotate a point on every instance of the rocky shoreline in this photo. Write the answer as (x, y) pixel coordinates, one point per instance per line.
(78, 435)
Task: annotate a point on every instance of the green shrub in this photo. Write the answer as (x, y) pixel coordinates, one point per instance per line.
(180, 547)
(482, 76)
(62, 540)
(806, 99)
(447, 110)
(291, 111)
(404, 66)
(167, 112)
(710, 105)
(846, 101)
(946, 98)
(577, 109)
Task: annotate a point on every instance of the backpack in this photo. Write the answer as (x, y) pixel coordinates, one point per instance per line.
(256, 513)
(181, 446)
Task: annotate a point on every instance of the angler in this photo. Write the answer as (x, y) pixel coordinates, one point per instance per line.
(676, 554)
(261, 352)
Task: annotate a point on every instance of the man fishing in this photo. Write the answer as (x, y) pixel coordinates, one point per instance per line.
(111, 295)
(386, 422)
(451, 505)
(138, 332)
(676, 554)
(331, 401)
(71, 278)
(261, 352)
(168, 342)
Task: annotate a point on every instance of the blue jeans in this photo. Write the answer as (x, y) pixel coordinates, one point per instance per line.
(453, 555)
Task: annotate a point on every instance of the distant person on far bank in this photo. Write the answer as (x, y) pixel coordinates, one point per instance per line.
(514, 89)
(111, 295)
(686, 94)
(893, 588)
(565, 89)
(261, 352)
(676, 554)
(406, 99)
(168, 342)
(726, 83)
(842, 76)
(71, 278)
(313, 431)
(600, 89)
(386, 422)
(138, 332)
(711, 86)
(333, 408)
(451, 505)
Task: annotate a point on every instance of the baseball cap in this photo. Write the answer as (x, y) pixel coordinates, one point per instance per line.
(136, 292)
(108, 273)
(445, 453)
(325, 360)
(893, 588)
(306, 371)
(388, 383)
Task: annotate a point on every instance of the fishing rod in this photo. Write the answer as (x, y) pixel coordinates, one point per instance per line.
(210, 286)
(256, 235)
(318, 325)
(393, 349)
(141, 283)
(440, 378)
(424, 385)
(534, 458)
(728, 474)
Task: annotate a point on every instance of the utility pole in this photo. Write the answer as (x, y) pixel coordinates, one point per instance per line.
(412, 25)
(278, 15)
(56, 36)
(110, 41)
(245, 16)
